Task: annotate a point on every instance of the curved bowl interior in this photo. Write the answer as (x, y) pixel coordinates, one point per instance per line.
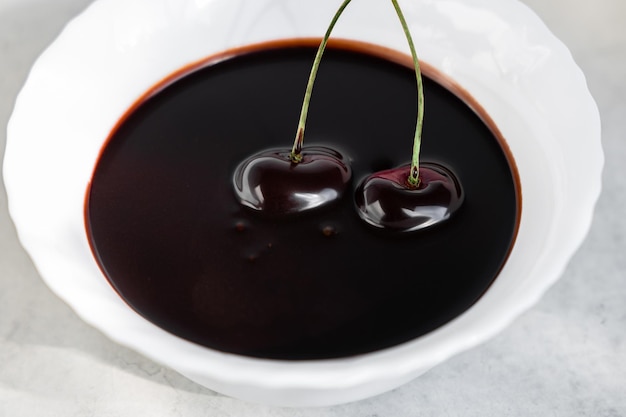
(497, 50)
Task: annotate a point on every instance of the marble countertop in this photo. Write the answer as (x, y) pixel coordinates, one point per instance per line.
(564, 357)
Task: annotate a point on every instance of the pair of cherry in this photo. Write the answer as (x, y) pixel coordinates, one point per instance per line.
(404, 199)
(275, 184)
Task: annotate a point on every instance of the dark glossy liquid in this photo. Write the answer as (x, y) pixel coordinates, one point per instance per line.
(178, 247)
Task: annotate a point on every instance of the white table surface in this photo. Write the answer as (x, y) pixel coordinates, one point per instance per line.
(564, 357)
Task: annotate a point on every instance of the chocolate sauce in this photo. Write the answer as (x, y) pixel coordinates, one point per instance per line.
(176, 244)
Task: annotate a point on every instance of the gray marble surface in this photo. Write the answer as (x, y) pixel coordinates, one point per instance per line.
(564, 357)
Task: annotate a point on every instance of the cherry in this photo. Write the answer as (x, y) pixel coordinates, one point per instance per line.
(412, 197)
(280, 182)
(271, 183)
(387, 200)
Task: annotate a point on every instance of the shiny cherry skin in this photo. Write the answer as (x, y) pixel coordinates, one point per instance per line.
(387, 201)
(270, 183)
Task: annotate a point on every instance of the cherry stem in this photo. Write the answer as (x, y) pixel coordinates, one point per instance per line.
(414, 179)
(296, 150)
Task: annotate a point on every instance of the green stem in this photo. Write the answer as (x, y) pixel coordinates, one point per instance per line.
(296, 150)
(414, 179)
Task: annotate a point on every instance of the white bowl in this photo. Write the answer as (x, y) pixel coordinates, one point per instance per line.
(106, 58)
